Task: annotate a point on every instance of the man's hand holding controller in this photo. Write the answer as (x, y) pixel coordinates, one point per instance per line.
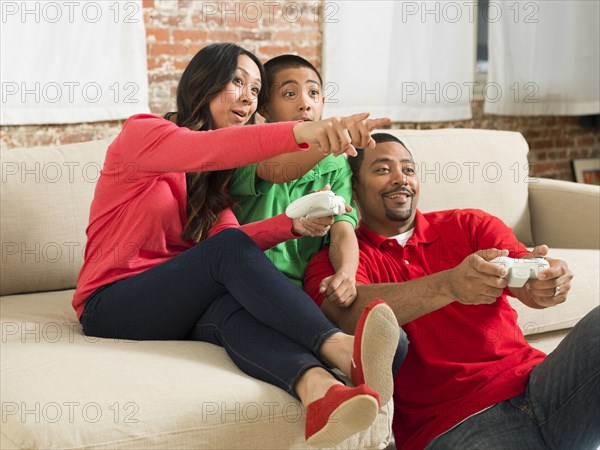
(552, 284)
(481, 277)
(521, 270)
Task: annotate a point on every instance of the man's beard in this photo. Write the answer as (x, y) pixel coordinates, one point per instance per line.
(399, 216)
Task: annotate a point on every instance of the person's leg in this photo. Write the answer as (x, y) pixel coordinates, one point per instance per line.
(500, 427)
(564, 390)
(166, 301)
(257, 349)
(334, 412)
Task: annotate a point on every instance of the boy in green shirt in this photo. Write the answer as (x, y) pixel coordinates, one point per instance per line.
(295, 93)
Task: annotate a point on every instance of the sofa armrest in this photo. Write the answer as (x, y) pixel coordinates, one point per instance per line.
(565, 214)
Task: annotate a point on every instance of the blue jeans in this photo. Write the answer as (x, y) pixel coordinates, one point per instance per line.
(224, 291)
(560, 408)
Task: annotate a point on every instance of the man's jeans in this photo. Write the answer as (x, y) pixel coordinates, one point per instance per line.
(560, 409)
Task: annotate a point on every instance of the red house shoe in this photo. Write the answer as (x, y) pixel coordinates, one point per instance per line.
(342, 412)
(375, 343)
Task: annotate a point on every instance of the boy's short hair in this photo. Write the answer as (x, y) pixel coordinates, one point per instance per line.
(356, 161)
(282, 62)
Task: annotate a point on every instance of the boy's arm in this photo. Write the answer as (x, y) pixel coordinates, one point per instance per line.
(343, 254)
(343, 249)
(282, 168)
(287, 167)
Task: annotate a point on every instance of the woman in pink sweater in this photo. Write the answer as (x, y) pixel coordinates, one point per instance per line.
(166, 258)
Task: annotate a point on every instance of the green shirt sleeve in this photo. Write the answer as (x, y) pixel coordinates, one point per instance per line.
(245, 182)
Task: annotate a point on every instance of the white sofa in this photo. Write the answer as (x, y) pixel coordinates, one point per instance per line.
(60, 389)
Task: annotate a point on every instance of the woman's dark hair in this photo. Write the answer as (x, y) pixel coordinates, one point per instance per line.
(207, 74)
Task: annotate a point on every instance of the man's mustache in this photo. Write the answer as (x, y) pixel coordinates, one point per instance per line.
(399, 189)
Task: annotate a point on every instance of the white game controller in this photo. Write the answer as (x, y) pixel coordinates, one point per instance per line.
(521, 270)
(317, 204)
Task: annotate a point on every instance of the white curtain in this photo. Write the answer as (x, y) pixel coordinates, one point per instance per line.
(410, 61)
(544, 58)
(68, 62)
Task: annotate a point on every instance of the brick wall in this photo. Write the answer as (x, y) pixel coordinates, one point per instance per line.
(177, 29)
(553, 141)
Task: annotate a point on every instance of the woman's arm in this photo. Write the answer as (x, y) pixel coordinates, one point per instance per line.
(154, 144)
(265, 233)
(269, 232)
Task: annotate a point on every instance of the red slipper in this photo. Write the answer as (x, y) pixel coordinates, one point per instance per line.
(375, 343)
(342, 412)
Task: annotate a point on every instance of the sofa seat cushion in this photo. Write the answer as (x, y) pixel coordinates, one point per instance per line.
(583, 296)
(61, 389)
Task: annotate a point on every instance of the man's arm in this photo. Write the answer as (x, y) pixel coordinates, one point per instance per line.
(409, 300)
(473, 281)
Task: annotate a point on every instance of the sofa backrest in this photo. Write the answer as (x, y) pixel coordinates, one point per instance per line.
(44, 209)
(46, 194)
(468, 168)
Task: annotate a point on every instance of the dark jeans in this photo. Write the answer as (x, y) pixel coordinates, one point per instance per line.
(560, 408)
(224, 291)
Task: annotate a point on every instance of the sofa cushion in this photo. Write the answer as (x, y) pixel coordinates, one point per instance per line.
(46, 195)
(466, 168)
(583, 296)
(547, 342)
(61, 389)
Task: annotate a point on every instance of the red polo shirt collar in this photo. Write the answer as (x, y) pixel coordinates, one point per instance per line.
(424, 233)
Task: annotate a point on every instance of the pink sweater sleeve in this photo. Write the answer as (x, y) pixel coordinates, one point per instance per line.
(154, 144)
(265, 233)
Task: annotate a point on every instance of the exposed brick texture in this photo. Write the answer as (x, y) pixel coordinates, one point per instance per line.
(177, 29)
(553, 141)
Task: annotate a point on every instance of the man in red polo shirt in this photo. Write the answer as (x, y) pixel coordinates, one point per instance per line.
(469, 378)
